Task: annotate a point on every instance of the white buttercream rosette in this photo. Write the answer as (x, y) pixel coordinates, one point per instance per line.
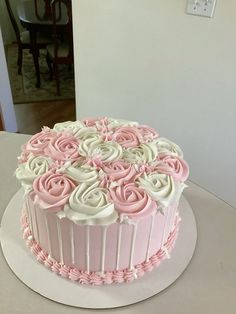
(31, 169)
(161, 187)
(102, 170)
(70, 126)
(89, 204)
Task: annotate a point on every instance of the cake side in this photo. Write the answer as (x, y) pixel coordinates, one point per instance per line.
(97, 278)
(99, 248)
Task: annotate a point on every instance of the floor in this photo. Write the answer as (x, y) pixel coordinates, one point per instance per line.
(31, 117)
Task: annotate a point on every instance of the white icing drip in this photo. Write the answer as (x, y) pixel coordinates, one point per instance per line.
(132, 246)
(104, 238)
(164, 230)
(60, 240)
(72, 243)
(150, 235)
(87, 248)
(48, 235)
(36, 224)
(173, 218)
(118, 246)
(29, 214)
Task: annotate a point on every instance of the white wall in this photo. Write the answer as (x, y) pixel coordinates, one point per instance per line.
(6, 102)
(149, 61)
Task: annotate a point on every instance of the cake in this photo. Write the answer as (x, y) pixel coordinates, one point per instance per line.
(101, 198)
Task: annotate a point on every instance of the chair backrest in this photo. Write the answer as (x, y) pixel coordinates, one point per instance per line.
(64, 32)
(13, 21)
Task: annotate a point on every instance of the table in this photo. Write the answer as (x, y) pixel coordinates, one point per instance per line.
(207, 286)
(35, 23)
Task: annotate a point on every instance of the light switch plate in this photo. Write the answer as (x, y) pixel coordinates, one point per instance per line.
(201, 7)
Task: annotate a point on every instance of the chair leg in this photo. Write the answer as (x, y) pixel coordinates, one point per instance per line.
(48, 60)
(57, 79)
(19, 60)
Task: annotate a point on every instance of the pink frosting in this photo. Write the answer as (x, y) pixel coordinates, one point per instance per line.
(95, 279)
(174, 166)
(24, 155)
(148, 134)
(42, 256)
(48, 262)
(116, 276)
(74, 274)
(56, 267)
(108, 278)
(147, 265)
(53, 189)
(39, 142)
(120, 172)
(96, 122)
(63, 146)
(132, 201)
(64, 271)
(127, 136)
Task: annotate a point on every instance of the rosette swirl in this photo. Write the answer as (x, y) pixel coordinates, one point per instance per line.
(39, 142)
(174, 166)
(161, 187)
(104, 151)
(166, 146)
(132, 202)
(33, 167)
(63, 147)
(142, 154)
(127, 136)
(96, 122)
(148, 134)
(119, 172)
(52, 190)
(82, 173)
(71, 126)
(89, 204)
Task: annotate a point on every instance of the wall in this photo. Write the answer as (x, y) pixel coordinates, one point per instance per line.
(149, 61)
(6, 102)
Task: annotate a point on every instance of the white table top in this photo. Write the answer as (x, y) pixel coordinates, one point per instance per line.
(208, 285)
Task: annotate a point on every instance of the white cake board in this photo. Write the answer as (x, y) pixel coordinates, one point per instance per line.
(43, 281)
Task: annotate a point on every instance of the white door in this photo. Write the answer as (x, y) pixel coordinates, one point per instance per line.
(7, 111)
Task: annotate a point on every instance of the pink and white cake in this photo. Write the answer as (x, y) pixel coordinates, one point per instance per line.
(101, 198)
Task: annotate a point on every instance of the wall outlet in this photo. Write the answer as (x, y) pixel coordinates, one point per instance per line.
(201, 7)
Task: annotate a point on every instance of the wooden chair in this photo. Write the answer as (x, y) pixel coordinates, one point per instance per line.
(23, 38)
(61, 51)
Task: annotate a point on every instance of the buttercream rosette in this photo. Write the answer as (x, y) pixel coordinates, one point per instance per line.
(102, 170)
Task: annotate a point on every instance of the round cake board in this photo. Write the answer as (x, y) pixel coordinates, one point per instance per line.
(43, 281)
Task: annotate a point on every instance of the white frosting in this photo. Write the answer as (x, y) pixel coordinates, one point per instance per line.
(142, 154)
(85, 147)
(115, 123)
(88, 204)
(104, 151)
(161, 187)
(84, 173)
(28, 171)
(166, 146)
(70, 126)
(88, 133)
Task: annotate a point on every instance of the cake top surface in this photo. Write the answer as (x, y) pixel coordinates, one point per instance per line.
(101, 171)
